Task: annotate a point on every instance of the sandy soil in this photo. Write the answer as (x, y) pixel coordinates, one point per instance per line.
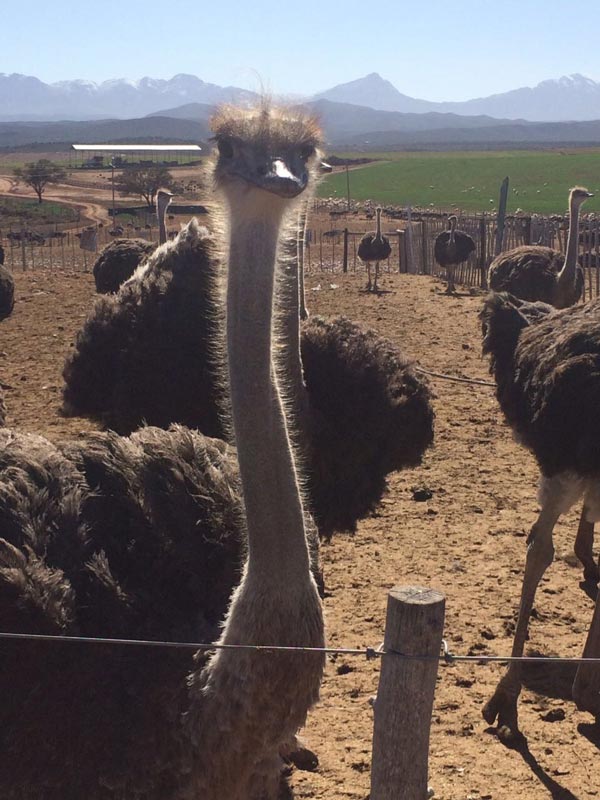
(468, 541)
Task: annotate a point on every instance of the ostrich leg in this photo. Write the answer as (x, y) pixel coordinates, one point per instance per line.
(369, 285)
(375, 287)
(540, 552)
(584, 543)
(450, 288)
(586, 688)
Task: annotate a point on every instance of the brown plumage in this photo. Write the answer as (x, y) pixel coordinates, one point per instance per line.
(451, 248)
(7, 292)
(529, 272)
(534, 272)
(118, 261)
(547, 368)
(150, 353)
(373, 248)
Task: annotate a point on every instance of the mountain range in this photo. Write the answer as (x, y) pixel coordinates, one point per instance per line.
(24, 97)
(572, 97)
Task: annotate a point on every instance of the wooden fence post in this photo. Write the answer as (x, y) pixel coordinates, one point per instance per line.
(424, 265)
(401, 255)
(345, 261)
(414, 626)
(501, 216)
(483, 255)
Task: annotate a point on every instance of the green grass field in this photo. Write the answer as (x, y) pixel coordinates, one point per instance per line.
(539, 180)
(17, 211)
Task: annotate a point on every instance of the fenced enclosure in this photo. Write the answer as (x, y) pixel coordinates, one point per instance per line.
(334, 246)
(332, 241)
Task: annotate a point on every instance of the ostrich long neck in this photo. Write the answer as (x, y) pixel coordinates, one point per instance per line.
(161, 210)
(378, 231)
(302, 227)
(452, 231)
(274, 513)
(566, 277)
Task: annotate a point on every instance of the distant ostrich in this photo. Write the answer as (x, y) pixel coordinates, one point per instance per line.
(127, 537)
(374, 247)
(7, 292)
(547, 366)
(148, 354)
(451, 248)
(7, 289)
(121, 257)
(534, 272)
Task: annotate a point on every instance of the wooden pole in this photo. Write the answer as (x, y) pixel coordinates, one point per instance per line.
(483, 253)
(501, 216)
(414, 626)
(410, 253)
(345, 261)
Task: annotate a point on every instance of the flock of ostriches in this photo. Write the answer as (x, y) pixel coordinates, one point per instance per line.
(236, 437)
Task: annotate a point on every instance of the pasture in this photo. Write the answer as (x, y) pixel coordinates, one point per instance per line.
(470, 181)
(468, 540)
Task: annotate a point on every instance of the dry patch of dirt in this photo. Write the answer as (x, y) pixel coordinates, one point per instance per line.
(468, 540)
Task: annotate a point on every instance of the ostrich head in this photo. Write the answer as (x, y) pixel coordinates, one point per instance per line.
(268, 151)
(452, 220)
(578, 195)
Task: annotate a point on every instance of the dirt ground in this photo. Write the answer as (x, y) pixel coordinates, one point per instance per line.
(468, 541)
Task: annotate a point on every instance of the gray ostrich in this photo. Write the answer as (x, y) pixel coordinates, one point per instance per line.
(534, 272)
(121, 257)
(546, 365)
(113, 548)
(451, 248)
(148, 353)
(374, 247)
(7, 288)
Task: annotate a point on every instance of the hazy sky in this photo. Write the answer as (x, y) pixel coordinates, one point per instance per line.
(433, 50)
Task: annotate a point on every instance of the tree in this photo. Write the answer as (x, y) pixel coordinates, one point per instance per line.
(38, 174)
(145, 182)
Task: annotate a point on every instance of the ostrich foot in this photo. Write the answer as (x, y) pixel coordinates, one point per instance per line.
(586, 689)
(503, 707)
(591, 573)
(368, 287)
(304, 759)
(297, 753)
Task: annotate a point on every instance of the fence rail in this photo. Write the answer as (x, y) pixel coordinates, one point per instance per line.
(412, 243)
(332, 243)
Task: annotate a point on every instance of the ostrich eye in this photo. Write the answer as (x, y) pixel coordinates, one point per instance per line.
(307, 151)
(225, 148)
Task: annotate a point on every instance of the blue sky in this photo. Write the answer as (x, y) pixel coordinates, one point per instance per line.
(434, 50)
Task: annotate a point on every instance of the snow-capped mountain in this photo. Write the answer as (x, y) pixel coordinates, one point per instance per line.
(27, 98)
(572, 97)
(22, 97)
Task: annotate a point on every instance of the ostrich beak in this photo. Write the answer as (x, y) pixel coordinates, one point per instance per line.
(281, 180)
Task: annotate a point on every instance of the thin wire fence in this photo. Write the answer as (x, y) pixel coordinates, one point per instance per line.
(332, 243)
(370, 653)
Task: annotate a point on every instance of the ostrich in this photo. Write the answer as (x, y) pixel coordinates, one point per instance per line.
(538, 273)
(546, 365)
(7, 289)
(534, 272)
(121, 257)
(451, 248)
(84, 553)
(147, 353)
(163, 201)
(361, 408)
(374, 247)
